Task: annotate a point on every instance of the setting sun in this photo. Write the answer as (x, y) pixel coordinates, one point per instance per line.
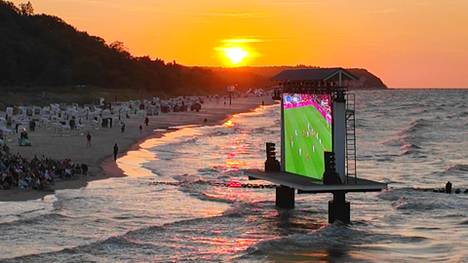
(235, 55)
(237, 51)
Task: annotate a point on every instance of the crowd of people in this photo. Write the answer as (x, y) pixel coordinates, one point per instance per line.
(38, 173)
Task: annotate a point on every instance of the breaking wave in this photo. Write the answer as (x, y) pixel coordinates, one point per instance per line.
(39, 219)
(325, 239)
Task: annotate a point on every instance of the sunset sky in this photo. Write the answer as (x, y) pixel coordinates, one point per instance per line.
(408, 43)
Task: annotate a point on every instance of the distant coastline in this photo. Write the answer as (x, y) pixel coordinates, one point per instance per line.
(366, 79)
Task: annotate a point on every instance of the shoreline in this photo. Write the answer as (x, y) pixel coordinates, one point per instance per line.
(111, 168)
(100, 162)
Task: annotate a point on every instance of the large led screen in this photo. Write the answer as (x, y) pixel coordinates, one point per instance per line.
(307, 128)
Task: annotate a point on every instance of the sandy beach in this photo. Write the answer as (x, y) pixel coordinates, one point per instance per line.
(99, 156)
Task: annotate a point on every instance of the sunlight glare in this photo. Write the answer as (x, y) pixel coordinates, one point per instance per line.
(235, 52)
(235, 55)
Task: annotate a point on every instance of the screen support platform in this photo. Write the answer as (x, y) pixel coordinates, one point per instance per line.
(338, 208)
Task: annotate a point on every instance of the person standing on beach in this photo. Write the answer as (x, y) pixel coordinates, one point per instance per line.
(141, 129)
(116, 151)
(146, 121)
(88, 140)
(122, 127)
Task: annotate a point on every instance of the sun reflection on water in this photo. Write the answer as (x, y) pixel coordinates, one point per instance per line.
(228, 124)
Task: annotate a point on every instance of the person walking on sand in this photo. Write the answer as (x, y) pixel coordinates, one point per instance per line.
(122, 127)
(141, 129)
(146, 121)
(88, 140)
(116, 151)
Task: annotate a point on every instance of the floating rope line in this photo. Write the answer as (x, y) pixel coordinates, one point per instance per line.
(234, 184)
(441, 190)
(228, 184)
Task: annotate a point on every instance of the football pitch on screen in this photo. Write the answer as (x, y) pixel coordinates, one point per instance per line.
(307, 135)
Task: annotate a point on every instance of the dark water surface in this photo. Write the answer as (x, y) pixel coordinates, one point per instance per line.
(406, 138)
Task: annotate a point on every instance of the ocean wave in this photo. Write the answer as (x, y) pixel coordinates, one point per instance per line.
(221, 132)
(60, 200)
(207, 190)
(259, 130)
(429, 201)
(403, 141)
(409, 139)
(39, 219)
(386, 158)
(453, 170)
(208, 170)
(394, 141)
(415, 126)
(426, 228)
(411, 198)
(388, 195)
(362, 123)
(169, 147)
(134, 241)
(93, 252)
(325, 238)
(458, 168)
(406, 146)
(210, 195)
(439, 108)
(409, 148)
(239, 209)
(186, 178)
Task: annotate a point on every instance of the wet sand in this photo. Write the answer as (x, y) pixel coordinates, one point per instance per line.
(99, 156)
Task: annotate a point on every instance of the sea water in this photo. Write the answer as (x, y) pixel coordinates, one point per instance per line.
(407, 138)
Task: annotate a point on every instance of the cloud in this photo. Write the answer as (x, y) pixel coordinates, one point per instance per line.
(241, 40)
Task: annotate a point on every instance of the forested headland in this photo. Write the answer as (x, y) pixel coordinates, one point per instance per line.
(42, 54)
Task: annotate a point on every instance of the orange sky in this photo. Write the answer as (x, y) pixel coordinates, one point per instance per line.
(408, 43)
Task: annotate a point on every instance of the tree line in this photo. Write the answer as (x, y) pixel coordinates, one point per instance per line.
(43, 50)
